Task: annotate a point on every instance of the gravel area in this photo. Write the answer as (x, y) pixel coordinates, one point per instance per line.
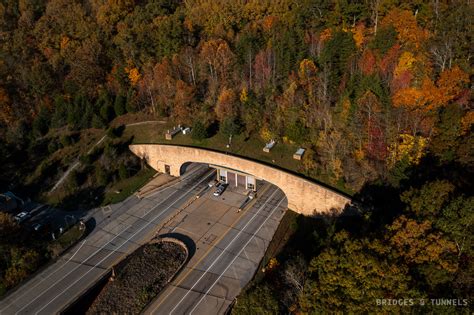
(139, 279)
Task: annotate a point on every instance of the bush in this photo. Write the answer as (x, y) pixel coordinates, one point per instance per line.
(130, 104)
(41, 123)
(199, 131)
(296, 132)
(101, 176)
(86, 159)
(53, 146)
(66, 141)
(115, 132)
(231, 126)
(111, 133)
(98, 122)
(107, 113)
(119, 105)
(73, 180)
(123, 171)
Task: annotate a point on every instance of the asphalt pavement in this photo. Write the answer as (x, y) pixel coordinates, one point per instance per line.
(229, 247)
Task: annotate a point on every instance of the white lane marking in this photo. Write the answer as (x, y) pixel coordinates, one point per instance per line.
(205, 177)
(128, 239)
(99, 249)
(230, 264)
(183, 178)
(222, 253)
(42, 280)
(77, 250)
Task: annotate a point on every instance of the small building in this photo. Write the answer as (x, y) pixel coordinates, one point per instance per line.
(173, 132)
(299, 154)
(269, 146)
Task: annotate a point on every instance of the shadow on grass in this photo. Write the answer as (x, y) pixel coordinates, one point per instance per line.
(84, 199)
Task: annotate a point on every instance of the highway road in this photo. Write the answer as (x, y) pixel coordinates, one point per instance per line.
(120, 229)
(228, 252)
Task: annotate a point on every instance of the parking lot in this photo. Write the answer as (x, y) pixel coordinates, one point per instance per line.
(44, 220)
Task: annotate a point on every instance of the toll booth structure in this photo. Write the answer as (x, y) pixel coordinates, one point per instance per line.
(235, 178)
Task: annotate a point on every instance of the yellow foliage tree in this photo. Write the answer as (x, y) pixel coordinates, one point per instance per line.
(417, 244)
(408, 146)
(405, 63)
(358, 33)
(266, 134)
(64, 42)
(133, 75)
(244, 97)
(307, 69)
(346, 108)
(272, 264)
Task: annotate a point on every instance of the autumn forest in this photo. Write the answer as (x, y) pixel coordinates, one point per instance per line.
(379, 92)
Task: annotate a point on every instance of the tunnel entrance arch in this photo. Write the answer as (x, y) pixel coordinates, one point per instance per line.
(185, 167)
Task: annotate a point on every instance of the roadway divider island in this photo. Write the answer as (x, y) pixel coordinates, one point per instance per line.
(304, 196)
(140, 277)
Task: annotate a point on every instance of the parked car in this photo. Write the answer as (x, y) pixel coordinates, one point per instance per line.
(220, 189)
(22, 217)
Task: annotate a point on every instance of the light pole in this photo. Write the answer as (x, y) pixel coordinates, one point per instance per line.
(230, 142)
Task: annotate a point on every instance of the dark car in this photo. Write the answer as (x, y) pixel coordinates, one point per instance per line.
(220, 189)
(22, 216)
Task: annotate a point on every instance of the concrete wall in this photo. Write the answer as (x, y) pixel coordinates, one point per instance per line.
(303, 196)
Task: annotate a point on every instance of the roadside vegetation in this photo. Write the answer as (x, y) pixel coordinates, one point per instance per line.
(23, 251)
(66, 240)
(139, 278)
(20, 253)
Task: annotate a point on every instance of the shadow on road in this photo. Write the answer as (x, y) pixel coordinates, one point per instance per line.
(190, 245)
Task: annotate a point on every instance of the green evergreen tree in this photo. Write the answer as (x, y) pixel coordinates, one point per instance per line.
(119, 105)
(199, 131)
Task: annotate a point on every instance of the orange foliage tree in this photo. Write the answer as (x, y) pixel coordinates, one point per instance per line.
(404, 22)
(225, 107)
(183, 101)
(430, 96)
(367, 63)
